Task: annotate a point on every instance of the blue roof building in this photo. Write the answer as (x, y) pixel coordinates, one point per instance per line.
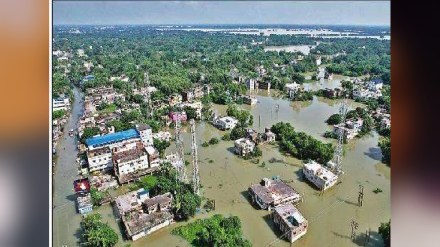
(100, 141)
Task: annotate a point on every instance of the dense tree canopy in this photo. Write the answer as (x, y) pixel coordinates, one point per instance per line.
(214, 231)
(302, 145)
(96, 233)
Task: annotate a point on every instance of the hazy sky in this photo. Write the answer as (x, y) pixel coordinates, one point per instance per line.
(226, 12)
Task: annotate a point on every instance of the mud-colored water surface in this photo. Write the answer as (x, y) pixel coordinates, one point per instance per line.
(227, 177)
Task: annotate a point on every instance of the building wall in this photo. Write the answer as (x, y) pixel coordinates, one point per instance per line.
(132, 166)
(147, 137)
(100, 162)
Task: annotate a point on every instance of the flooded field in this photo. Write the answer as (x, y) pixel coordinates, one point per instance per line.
(226, 177)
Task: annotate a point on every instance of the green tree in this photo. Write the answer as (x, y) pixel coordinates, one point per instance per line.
(89, 132)
(385, 146)
(96, 195)
(189, 203)
(96, 233)
(58, 114)
(161, 146)
(385, 232)
(334, 119)
(191, 113)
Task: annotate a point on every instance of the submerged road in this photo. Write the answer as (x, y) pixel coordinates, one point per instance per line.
(66, 220)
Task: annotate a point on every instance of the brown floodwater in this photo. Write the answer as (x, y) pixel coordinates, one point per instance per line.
(227, 178)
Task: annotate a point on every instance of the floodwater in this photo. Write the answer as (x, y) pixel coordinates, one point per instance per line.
(332, 84)
(321, 33)
(226, 177)
(65, 218)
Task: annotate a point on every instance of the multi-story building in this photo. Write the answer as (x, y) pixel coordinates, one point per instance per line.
(146, 134)
(270, 193)
(100, 159)
(84, 203)
(290, 222)
(252, 84)
(158, 203)
(142, 215)
(320, 176)
(113, 139)
(129, 162)
(225, 123)
(60, 104)
(243, 146)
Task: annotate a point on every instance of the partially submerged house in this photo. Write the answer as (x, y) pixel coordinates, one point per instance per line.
(319, 175)
(290, 222)
(142, 215)
(270, 193)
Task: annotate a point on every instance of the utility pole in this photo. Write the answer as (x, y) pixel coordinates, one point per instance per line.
(361, 195)
(354, 227)
(196, 177)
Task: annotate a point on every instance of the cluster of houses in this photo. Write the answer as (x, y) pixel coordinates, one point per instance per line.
(141, 214)
(383, 117)
(367, 89)
(129, 154)
(280, 198)
(350, 128)
(246, 145)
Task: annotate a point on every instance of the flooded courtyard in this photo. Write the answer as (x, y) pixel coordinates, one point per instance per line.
(225, 178)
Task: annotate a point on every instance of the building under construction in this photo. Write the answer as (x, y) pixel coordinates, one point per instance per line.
(270, 193)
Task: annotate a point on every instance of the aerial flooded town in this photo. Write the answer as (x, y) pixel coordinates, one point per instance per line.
(221, 135)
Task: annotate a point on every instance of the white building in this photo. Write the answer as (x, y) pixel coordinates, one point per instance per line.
(146, 134)
(292, 87)
(123, 78)
(162, 136)
(80, 52)
(99, 159)
(243, 146)
(252, 84)
(320, 176)
(375, 86)
(226, 123)
(318, 60)
(60, 104)
(153, 156)
(88, 65)
(131, 160)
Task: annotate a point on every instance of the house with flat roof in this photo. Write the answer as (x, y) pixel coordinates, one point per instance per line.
(243, 146)
(270, 193)
(319, 175)
(142, 215)
(100, 159)
(130, 163)
(84, 203)
(225, 123)
(290, 221)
